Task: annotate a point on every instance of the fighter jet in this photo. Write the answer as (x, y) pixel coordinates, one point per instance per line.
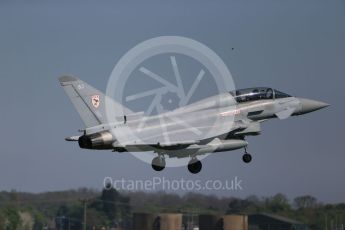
(215, 124)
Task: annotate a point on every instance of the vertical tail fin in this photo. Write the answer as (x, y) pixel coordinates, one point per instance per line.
(88, 101)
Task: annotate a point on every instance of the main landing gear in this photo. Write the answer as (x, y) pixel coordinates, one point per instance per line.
(247, 158)
(158, 163)
(194, 166)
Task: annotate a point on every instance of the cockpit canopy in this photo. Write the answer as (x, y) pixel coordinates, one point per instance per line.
(258, 93)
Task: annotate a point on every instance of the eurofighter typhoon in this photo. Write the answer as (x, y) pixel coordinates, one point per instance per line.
(215, 124)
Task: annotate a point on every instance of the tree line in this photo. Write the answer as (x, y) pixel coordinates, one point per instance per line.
(68, 209)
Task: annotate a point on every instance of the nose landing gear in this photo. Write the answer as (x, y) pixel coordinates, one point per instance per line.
(247, 158)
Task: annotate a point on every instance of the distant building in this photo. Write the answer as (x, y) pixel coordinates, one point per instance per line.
(273, 222)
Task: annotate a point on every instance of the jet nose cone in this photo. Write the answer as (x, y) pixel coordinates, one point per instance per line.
(311, 105)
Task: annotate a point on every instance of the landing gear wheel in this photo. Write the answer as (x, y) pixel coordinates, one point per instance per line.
(247, 158)
(158, 163)
(194, 166)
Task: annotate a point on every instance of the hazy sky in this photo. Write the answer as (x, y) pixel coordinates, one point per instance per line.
(295, 46)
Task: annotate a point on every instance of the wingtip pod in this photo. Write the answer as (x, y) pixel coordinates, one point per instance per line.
(73, 138)
(67, 78)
